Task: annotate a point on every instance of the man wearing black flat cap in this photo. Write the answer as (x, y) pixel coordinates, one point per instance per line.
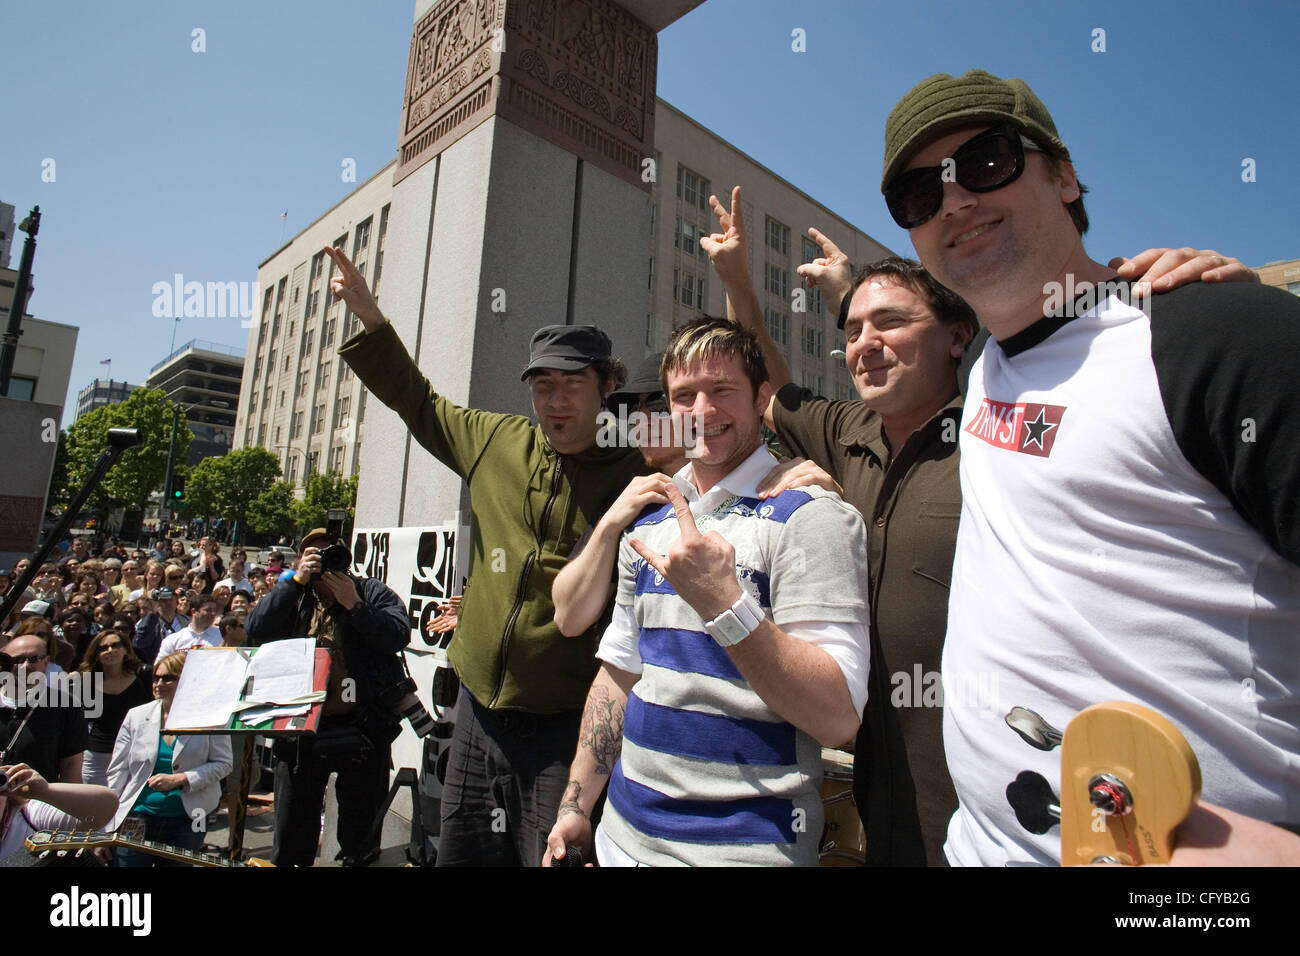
(537, 491)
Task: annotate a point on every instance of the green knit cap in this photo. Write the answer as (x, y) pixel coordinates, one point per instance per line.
(943, 102)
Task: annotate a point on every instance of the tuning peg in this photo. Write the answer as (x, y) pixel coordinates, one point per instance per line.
(1036, 805)
(1032, 729)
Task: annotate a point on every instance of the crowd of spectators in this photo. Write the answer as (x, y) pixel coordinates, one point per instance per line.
(122, 619)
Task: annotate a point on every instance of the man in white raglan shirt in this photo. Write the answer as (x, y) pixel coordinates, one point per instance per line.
(1129, 481)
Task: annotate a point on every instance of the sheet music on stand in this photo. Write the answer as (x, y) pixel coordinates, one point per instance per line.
(223, 688)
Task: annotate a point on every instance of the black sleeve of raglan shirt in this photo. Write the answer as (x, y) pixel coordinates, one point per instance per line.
(1227, 359)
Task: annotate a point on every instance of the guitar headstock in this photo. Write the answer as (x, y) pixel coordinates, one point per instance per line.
(1128, 779)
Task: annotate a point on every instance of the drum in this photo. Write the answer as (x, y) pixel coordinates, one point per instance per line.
(844, 841)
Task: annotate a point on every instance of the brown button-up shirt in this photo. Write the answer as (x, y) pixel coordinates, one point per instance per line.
(911, 501)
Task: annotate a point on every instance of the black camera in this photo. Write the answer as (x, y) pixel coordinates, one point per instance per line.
(336, 557)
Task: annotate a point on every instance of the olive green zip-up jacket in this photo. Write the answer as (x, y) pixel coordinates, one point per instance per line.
(531, 506)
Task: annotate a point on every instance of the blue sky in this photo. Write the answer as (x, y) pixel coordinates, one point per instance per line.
(168, 161)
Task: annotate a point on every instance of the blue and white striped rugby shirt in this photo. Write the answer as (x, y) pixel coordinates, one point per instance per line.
(709, 774)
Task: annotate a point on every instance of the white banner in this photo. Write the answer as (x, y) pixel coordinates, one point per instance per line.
(425, 566)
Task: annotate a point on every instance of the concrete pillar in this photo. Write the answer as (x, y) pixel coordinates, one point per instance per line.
(521, 199)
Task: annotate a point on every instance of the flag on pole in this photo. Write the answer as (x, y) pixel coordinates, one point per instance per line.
(105, 361)
(285, 214)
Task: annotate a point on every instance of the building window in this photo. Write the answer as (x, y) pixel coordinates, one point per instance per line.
(778, 280)
(318, 419)
(650, 330)
(277, 434)
(257, 366)
(811, 250)
(327, 331)
(778, 236)
(21, 388)
(266, 306)
(317, 266)
(323, 376)
(688, 288)
(778, 327)
(281, 405)
(362, 238)
(252, 403)
(336, 459)
(293, 467)
(812, 342)
(261, 433)
(651, 285)
(686, 237)
(692, 188)
(286, 363)
(270, 362)
(654, 218)
(383, 221)
(342, 408)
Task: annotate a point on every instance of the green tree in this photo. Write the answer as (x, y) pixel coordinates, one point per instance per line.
(272, 511)
(141, 469)
(225, 487)
(205, 489)
(249, 472)
(323, 491)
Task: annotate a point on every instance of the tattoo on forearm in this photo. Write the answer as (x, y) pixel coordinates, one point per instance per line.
(572, 795)
(602, 729)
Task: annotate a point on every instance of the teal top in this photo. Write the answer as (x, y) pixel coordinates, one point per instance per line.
(154, 803)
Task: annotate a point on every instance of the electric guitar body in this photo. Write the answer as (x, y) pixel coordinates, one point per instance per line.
(77, 840)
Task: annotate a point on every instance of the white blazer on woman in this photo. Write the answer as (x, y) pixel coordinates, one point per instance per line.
(205, 759)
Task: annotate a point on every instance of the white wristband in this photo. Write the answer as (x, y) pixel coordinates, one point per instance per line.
(737, 622)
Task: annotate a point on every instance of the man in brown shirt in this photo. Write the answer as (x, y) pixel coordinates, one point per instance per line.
(895, 455)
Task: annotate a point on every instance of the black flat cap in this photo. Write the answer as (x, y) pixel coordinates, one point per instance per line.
(566, 348)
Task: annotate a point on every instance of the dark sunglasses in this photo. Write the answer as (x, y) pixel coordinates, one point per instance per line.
(105, 648)
(165, 678)
(985, 162)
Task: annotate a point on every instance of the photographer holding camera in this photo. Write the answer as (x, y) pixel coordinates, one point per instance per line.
(365, 626)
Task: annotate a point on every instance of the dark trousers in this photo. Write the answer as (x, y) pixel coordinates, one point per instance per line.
(506, 774)
(174, 831)
(300, 794)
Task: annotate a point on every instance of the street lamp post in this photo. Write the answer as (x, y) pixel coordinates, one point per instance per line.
(9, 350)
(306, 462)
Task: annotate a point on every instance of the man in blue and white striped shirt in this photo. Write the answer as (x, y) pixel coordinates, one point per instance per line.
(737, 648)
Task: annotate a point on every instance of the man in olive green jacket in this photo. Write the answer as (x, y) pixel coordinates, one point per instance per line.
(536, 491)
